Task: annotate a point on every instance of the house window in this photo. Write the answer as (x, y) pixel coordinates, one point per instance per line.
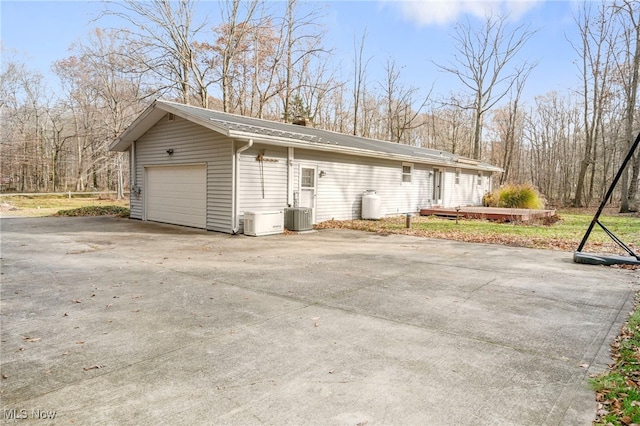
(307, 178)
(480, 178)
(171, 117)
(457, 176)
(407, 169)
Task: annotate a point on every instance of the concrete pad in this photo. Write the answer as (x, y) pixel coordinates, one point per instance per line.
(112, 321)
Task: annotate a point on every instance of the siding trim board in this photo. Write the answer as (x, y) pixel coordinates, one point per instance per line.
(249, 166)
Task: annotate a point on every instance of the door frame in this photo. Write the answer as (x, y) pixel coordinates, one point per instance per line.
(314, 189)
(438, 176)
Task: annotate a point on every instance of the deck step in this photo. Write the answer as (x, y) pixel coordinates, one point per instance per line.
(489, 213)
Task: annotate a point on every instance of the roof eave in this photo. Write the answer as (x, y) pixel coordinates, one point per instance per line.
(314, 146)
(169, 107)
(150, 117)
(140, 125)
(159, 108)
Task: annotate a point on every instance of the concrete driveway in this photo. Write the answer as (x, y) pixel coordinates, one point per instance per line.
(111, 321)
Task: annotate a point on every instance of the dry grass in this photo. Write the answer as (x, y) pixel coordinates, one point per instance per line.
(42, 205)
(563, 233)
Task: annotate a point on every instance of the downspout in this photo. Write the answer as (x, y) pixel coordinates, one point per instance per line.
(290, 156)
(134, 189)
(132, 161)
(236, 184)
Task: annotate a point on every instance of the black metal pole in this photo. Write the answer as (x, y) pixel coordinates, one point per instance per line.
(610, 191)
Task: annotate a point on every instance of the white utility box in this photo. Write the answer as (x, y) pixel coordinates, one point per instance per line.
(264, 223)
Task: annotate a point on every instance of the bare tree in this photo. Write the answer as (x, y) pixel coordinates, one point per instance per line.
(27, 137)
(301, 38)
(450, 128)
(234, 39)
(120, 95)
(317, 81)
(627, 12)
(481, 62)
(162, 38)
(359, 77)
(510, 125)
(102, 98)
(400, 115)
(596, 56)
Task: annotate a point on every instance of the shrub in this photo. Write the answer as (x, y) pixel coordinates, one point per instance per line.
(514, 197)
(96, 211)
(489, 199)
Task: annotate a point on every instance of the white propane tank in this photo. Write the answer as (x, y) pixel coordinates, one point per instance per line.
(371, 205)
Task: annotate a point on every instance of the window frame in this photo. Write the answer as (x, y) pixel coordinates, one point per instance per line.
(480, 178)
(408, 174)
(307, 181)
(458, 173)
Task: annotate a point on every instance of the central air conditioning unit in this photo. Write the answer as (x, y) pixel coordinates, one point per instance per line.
(263, 223)
(298, 219)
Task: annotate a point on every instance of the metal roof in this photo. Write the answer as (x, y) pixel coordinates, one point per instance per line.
(242, 127)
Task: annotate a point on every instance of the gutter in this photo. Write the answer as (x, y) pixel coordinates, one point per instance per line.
(331, 147)
(236, 184)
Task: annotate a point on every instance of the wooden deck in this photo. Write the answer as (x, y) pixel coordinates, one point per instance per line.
(489, 213)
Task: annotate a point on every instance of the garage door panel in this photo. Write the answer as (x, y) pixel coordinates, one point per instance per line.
(177, 194)
(182, 193)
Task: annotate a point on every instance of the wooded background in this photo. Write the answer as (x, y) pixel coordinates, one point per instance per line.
(273, 63)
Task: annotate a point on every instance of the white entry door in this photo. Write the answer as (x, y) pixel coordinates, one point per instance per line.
(438, 186)
(308, 188)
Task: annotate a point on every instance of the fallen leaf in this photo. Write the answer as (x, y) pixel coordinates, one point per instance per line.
(65, 314)
(4, 376)
(31, 339)
(80, 342)
(109, 305)
(585, 366)
(94, 367)
(76, 301)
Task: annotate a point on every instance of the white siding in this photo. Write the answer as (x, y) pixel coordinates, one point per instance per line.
(348, 177)
(263, 184)
(191, 144)
(135, 199)
(468, 192)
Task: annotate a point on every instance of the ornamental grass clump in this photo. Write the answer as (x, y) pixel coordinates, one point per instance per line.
(514, 197)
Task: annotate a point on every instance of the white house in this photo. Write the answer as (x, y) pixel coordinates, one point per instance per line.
(202, 168)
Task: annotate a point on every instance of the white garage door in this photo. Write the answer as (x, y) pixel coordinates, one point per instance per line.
(177, 194)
